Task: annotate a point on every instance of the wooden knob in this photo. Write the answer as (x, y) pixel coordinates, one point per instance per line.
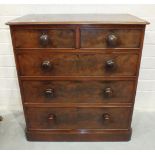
(49, 92)
(46, 65)
(44, 40)
(110, 64)
(108, 92)
(112, 40)
(51, 117)
(106, 117)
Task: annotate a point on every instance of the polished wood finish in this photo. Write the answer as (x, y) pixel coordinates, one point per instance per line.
(108, 38)
(78, 118)
(78, 74)
(46, 19)
(53, 38)
(92, 92)
(77, 64)
(79, 135)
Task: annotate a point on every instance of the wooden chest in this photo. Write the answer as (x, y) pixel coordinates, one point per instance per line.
(78, 74)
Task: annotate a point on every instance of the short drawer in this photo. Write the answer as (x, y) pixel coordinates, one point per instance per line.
(74, 64)
(110, 38)
(44, 38)
(78, 118)
(78, 91)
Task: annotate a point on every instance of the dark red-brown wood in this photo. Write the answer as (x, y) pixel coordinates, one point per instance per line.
(100, 38)
(77, 64)
(64, 92)
(78, 78)
(78, 118)
(44, 38)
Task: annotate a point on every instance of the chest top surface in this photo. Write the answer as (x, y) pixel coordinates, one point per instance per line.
(44, 19)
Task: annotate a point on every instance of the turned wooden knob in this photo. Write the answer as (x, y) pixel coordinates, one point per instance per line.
(44, 40)
(112, 40)
(51, 117)
(108, 92)
(106, 117)
(46, 65)
(49, 92)
(110, 64)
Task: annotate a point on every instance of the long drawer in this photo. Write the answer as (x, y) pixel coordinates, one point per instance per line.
(78, 91)
(77, 64)
(78, 118)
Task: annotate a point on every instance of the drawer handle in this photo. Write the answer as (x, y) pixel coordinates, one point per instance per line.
(44, 40)
(108, 92)
(46, 65)
(112, 40)
(49, 92)
(106, 117)
(110, 64)
(51, 117)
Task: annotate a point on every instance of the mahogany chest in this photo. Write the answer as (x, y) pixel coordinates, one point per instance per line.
(78, 74)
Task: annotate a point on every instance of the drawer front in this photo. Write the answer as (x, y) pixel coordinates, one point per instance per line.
(110, 38)
(50, 38)
(74, 64)
(78, 91)
(78, 118)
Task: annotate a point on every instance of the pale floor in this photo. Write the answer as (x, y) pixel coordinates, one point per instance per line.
(12, 135)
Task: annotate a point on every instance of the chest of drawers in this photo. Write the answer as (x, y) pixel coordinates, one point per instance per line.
(78, 74)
